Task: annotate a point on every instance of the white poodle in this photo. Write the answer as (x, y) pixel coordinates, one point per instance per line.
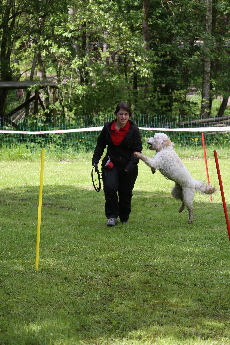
(171, 166)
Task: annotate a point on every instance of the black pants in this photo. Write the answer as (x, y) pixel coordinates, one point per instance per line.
(118, 187)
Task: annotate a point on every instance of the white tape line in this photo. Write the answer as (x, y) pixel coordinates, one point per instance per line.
(89, 129)
(198, 129)
(93, 129)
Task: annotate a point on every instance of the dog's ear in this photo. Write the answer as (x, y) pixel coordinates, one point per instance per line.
(167, 142)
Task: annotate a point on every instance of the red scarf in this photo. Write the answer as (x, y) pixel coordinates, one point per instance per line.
(118, 136)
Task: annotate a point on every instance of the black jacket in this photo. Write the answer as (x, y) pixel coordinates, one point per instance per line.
(121, 155)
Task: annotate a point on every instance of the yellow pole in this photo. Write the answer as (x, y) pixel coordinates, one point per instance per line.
(39, 210)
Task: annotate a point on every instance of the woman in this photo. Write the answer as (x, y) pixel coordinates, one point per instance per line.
(119, 166)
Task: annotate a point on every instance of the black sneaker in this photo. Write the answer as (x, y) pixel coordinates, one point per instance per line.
(112, 221)
(124, 220)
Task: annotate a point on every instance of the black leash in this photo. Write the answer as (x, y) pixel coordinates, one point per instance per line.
(96, 176)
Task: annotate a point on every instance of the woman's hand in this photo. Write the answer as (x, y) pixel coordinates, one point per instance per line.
(137, 154)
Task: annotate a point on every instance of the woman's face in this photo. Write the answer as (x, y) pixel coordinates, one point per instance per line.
(122, 117)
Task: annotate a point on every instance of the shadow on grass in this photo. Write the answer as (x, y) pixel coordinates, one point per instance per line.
(155, 278)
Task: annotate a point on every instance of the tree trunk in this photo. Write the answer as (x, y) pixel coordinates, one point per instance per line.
(205, 102)
(84, 74)
(146, 39)
(223, 106)
(6, 48)
(145, 24)
(28, 92)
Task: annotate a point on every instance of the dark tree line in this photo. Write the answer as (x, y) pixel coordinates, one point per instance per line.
(147, 52)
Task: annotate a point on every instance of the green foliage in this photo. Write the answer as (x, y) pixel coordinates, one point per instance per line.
(98, 54)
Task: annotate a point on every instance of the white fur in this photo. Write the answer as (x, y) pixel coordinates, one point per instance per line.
(170, 165)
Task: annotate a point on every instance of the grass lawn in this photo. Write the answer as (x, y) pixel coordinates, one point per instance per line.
(156, 280)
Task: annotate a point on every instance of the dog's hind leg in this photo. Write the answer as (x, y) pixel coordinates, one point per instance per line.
(181, 207)
(177, 193)
(190, 214)
(188, 195)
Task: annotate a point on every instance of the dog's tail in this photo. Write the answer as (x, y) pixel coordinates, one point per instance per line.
(204, 187)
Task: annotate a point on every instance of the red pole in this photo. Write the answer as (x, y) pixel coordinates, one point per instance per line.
(222, 193)
(205, 160)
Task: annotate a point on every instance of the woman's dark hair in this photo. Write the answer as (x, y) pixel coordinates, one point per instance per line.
(125, 106)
